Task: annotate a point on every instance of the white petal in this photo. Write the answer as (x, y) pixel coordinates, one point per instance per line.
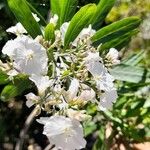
(31, 97)
(87, 95)
(113, 56)
(29, 56)
(65, 133)
(107, 99)
(54, 19)
(104, 82)
(92, 62)
(10, 47)
(12, 73)
(36, 17)
(63, 105)
(78, 115)
(42, 82)
(18, 29)
(63, 30)
(113, 53)
(73, 89)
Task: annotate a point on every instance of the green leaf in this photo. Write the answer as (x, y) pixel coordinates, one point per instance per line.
(147, 103)
(55, 7)
(89, 128)
(67, 8)
(23, 14)
(50, 32)
(134, 59)
(128, 73)
(109, 115)
(103, 8)
(16, 88)
(3, 78)
(115, 30)
(119, 42)
(99, 145)
(42, 20)
(80, 20)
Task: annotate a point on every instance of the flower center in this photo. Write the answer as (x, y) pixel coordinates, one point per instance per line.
(68, 132)
(29, 54)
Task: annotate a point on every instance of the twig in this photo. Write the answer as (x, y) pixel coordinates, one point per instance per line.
(23, 132)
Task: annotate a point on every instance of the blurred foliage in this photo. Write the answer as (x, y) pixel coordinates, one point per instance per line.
(141, 8)
(124, 8)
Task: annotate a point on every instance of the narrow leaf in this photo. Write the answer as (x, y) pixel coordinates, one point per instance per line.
(115, 30)
(128, 73)
(55, 7)
(17, 87)
(134, 59)
(23, 14)
(67, 8)
(80, 20)
(119, 42)
(103, 8)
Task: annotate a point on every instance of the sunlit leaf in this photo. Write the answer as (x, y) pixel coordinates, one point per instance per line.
(23, 14)
(115, 30)
(118, 42)
(103, 8)
(130, 74)
(17, 87)
(80, 20)
(67, 10)
(50, 32)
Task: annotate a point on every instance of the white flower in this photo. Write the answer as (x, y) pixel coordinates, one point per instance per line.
(31, 98)
(41, 82)
(104, 81)
(93, 65)
(113, 56)
(36, 17)
(78, 115)
(107, 99)
(73, 89)
(84, 34)
(18, 29)
(54, 19)
(87, 94)
(65, 133)
(28, 56)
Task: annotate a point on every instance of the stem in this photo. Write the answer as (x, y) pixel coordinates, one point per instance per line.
(23, 132)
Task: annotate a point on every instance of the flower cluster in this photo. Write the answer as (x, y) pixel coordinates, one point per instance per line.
(66, 80)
